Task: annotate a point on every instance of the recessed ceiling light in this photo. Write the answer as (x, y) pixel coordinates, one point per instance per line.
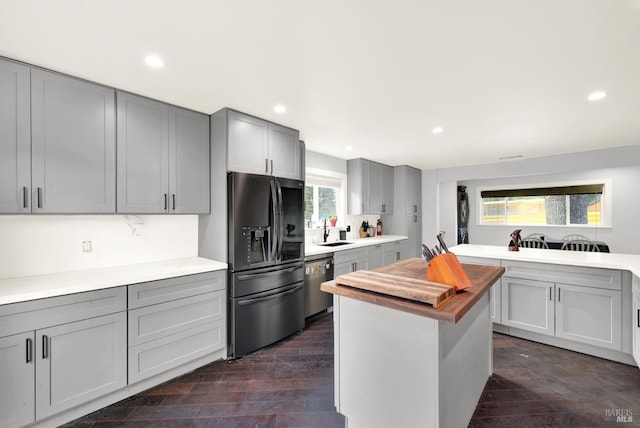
(597, 95)
(279, 108)
(348, 148)
(510, 157)
(438, 130)
(154, 61)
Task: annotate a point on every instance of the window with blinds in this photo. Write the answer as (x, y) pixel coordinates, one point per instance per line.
(550, 205)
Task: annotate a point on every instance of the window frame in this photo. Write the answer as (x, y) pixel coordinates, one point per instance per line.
(322, 177)
(606, 202)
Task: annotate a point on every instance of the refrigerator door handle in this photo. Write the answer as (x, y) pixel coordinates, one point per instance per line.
(275, 233)
(280, 221)
(280, 293)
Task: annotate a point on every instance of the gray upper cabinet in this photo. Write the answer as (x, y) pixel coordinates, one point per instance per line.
(407, 218)
(189, 161)
(72, 145)
(257, 146)
(15, 138)
(163, 158)
(370, 187)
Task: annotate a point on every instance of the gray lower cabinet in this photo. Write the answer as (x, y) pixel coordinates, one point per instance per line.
(256, 146)
(79, 361)
(528, 305)
(73, 146)
(17, 377)
(60, 352)
(395, 252)
(15, 138)
(175, 321)
(163, 157)
(376, 257)
(350, 261)
(576, 303)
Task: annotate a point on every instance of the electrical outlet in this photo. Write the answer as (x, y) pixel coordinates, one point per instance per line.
(86, 246)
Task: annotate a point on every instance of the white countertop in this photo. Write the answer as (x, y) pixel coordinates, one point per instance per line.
(26, 288)
(312, 250)
(630, 262)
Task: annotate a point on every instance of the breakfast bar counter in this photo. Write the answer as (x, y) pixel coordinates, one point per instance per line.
(400, 362)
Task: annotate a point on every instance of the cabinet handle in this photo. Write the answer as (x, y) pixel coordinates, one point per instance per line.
(550, 293)
(415, 208)
(266, 166)
(397, 256)
(29, 350)
(165, 201)
(271, 166)
(173, 201)
(45, 347)
(558, 294)
(638, 318)
(415, 218)
(39, 197)
(25, 197)
(384, 208)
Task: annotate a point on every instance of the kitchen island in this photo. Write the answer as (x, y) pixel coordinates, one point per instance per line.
(399, 362)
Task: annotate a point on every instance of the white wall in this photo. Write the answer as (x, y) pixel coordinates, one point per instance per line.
(620, 165)
(41, 244)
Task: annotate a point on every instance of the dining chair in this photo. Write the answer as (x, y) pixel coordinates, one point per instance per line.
(537, 235)
(574, 237)
(533, 243)
(580, 245)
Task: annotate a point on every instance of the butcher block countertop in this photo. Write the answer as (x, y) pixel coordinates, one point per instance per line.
(482, 278)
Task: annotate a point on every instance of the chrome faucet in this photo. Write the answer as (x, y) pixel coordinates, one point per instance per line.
(325, 233)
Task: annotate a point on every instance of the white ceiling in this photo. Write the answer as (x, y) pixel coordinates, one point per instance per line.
(503, 77)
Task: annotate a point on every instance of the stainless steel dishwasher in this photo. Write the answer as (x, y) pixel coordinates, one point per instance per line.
(317, 269)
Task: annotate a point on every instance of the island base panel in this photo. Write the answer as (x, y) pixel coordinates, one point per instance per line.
(396, 368)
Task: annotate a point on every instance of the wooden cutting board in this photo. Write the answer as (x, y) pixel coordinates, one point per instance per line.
(432, 293)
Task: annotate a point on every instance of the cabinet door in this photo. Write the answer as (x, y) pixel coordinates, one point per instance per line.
(636, 320)
(248, 139)
(414, 190)
(589, 315)
(188, 162)
(17, 373)
(342, 268)
(386, 189)
(80, 361)
(73, 145)
(15, 138)
(374, 189)
(528, 305)
(376, 256)
(285, 159)
(143, 155)
(414, 232)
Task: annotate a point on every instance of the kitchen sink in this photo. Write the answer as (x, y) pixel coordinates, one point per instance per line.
(336, 244)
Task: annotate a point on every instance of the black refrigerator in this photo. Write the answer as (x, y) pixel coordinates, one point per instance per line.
(266, 260)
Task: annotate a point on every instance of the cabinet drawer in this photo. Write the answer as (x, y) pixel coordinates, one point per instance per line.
(575, 275)
(165, 290)
(348, 256)
(159, 355)
(157, 321)
(32, 315)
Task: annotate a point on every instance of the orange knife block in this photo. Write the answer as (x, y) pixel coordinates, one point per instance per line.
(446, 269)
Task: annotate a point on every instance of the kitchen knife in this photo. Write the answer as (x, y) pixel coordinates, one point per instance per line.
(442, 243)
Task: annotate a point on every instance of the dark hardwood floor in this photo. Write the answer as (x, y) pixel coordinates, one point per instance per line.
(290, 384)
